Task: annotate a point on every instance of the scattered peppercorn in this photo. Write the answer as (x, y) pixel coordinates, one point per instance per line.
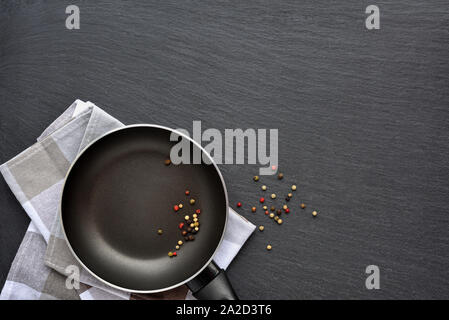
(253, 209)
(314, 213)
(176, 207)
(280, 221)
(180, 242)
(271, 215)
(272, 208)
(198, 211)
(262, 200)
(294, 187)
(184, 233)
(303, 206)
(290, 195)
(269, 247)
(276, 218)
(279, 212)
(186, 218)
(187, 192)
(159, 231)
(273, 196)
(195, 216)
(266, 212)
(256, 178)
(280, 176)
(170, 254)
(287, 210)
(285, 207)
(261, 228)
(180, 206)
(177, 247)
(264, 188)
(174, 254)
(181, 225)
(265, 207)
(197, 229)
(191, 238)
(239, 204)
(167, 162)
(287, 199)
(192, 201)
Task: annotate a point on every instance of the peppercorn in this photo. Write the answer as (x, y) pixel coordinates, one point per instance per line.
(271, 215)
(167, 162)
(279, 212)
(279, 221)
(263, 188)
(197, 229)
(273, 196)
(176, 207)
(287, 199)
(314, 213)
(180, 206)
(280, 176)
(159, 231)
(269, 247)
(293, 187)
(198, 211)
(303, 206)
(192, 201)
(192, 226)
(195, 216)
(180, 242)
(195, 219)
(290, 195)
(266, 212)
(287, 210)
(196, 224)
(191, 238)
(174, 254)
(276, 218)
(285, 207)
(262, 200)
(184, 233)
(186, 218)
(189, 229)
(253, 209)
(272, 208)
(186, 238)
(256, 178)
(239, 204)
(170, 254)
(261, 228)
(265, 207)
(187, 192)
(177, 247)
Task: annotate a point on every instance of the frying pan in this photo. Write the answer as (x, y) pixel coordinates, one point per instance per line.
(119, 192)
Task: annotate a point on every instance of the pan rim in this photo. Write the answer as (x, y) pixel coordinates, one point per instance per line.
(222, 232)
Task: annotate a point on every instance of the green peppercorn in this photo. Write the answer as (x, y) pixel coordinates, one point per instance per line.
(256, 178)
(192, 201)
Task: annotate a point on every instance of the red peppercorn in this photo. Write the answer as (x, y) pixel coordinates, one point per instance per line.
(266, 212)
(176, 208)
(198, 211)
(287, 210)
(262, 200)
(181, 225)
(175, 254)
(187, 192)
(239, 204)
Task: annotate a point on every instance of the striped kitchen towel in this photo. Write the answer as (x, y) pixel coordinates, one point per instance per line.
(36, 176)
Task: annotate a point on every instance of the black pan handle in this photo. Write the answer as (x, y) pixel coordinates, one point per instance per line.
(212, 284)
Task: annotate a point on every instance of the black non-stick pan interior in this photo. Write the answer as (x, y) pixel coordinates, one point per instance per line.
(120, 192)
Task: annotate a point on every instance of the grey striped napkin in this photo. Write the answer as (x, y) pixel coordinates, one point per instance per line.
(36, 176)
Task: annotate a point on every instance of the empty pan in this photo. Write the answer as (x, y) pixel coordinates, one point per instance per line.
(119, 192)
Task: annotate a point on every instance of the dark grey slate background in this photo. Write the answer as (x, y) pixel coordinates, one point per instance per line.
(362, 115)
